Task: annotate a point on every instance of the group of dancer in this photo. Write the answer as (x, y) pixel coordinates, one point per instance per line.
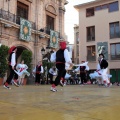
(57, 73)
(17, 71)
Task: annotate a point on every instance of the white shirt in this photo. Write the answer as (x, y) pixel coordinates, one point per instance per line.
(51, 71)
(42, 70)
(13, 59)
(66, 56)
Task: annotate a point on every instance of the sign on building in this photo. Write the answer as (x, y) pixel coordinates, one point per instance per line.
(25, 30)
(102, 47)
(53, 39)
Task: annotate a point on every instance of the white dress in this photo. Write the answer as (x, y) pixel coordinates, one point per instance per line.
(99, 73)
(22, 70)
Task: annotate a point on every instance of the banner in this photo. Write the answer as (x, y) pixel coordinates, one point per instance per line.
(53, 39)
(25, 30)
(102, 47)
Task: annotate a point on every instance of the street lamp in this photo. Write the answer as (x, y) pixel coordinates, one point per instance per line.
(43, 51)
(48, 49)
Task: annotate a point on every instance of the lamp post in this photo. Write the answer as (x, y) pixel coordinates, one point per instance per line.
(42, 52)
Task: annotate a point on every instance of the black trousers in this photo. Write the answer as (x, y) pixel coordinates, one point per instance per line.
(51, 78)
(13, 75)
(37, 78)
(61, 73)
(83, 78)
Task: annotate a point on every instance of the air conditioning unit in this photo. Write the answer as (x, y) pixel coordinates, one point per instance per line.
(7, 26)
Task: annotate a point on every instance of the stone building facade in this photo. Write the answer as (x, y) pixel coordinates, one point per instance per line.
(43, 15)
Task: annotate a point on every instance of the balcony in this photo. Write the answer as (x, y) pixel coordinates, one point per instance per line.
(47, 31)
(90, 38)
(13, 18)
(91, 58)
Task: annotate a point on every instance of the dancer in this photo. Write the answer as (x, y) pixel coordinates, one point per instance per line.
(12, 63)
(52, 75)
(83, 68)
(103, 66)
(61, 57)
(22, 71)
(37, 71)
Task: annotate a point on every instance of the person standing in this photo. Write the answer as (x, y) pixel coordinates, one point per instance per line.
(38, 70)
(61, 58)
(83, 68)
(12, 64)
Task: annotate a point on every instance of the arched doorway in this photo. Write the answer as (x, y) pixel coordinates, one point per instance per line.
(19, 52)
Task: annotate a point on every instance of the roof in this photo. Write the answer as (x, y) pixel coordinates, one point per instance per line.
(88, 3)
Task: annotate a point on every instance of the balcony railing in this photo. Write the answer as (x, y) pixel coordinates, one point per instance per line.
(91, 58)
(47, 31)
(114, 57)
(13, 18)
(90, 38)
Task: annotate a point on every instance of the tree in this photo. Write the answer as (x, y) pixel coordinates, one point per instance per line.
(3, 60)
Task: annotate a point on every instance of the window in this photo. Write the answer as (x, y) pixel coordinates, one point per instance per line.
(105, 6)
(77, 37)
(114, 30)
(113, 7)
(91, 33)
(98, 8)
(77, 51)
(49, 24)
(115, 51)
(91, 54)
(22, 10)
(89, 12)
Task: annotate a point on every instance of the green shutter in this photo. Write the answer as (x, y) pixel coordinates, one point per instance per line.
(118, 73)
(113, 73)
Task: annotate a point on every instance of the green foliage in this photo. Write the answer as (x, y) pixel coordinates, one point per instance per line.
(48, 64)
(27, 57)
(3, 60)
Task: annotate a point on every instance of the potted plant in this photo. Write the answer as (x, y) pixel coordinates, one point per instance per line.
(3, 62)
(27, 57)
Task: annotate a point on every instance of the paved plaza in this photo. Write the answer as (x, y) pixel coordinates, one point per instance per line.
(72, 102)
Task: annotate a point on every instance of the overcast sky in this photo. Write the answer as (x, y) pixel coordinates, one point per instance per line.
(71, 18)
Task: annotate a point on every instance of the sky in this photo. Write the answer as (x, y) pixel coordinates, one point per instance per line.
(71, 18)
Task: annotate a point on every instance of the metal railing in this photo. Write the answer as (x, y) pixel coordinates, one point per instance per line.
(90, 38)
(13, 18)
(114, 57)
(47, 31)
(91, 58)
(16, 19)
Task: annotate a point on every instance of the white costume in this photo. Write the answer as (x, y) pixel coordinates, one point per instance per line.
(22, 70)
(100, 75)
(83, 64)
(54, 73)
(66, 56)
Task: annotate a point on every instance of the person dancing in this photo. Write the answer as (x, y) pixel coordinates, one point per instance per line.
(61, 58)
(12, 63)
(22, 71)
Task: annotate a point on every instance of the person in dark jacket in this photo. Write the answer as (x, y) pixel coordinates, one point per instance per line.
(37, 71)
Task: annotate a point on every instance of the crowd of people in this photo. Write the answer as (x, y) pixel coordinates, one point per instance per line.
(58, 74)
